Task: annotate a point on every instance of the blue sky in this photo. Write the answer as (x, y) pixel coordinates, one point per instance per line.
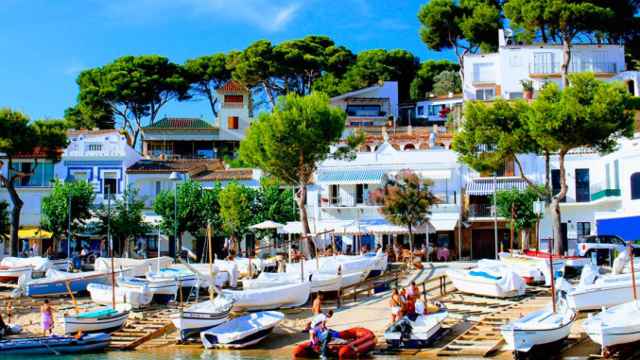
(45, 44)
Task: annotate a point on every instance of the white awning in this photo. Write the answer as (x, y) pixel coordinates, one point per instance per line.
(485, 186)
(350, 177)
(444, 224)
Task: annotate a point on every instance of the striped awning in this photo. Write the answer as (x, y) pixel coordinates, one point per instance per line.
(485, 186)
(350, 177)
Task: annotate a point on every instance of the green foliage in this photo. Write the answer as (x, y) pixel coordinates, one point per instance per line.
(55, 206)
(206, 74)
(522, 204)
(423, 82)
(447, 82)
(465, 26)
(237, 204)
(81, 116)
(190, 215)
(590, 113)
(134, 88)
(492, 133)
(123, 219)
(289, 142)
(527, 85)
(275, 202)
(371, 67)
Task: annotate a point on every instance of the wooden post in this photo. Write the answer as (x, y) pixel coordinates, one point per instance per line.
(633, 274)
(553, 285)
(511, 235)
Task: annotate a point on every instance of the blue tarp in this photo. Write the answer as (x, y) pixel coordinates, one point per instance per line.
(484, 275)
(628, 228)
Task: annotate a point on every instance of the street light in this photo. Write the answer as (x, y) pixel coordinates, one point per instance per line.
(494, 210)
(175, 177)
(69, 179)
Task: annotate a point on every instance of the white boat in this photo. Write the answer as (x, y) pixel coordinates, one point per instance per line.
(530, 274)
(283, 296)
(103, 320)
(185, 279)
(162, 290)
(242, 331)
(12, 274)
(319, 281)
(136, 267)
(103, 294)
(37, 263)
(538, 262)
(616, 325)
(538, 328)
(202, 271)
(416, 332)
(497, 282)
(202, 316)
(605, 291)
(59, 282)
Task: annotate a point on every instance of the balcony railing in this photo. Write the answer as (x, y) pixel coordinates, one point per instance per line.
(556, 67)
(480, 210)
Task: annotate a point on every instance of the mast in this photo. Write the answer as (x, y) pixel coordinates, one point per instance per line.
(633, 274)
(553, 283)
(211, 276)
(113, 269)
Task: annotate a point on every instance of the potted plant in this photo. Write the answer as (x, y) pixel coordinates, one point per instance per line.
(527, 89)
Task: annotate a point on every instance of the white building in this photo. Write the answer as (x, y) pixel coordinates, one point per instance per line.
(371, 106)
(339, 200)
(492, 75)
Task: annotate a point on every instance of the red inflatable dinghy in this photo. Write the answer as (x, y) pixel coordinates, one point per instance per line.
(359, 341)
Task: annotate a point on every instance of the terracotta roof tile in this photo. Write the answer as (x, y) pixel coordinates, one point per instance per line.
(192, 167)
(225, 175)
(97, 132)
(232, 86)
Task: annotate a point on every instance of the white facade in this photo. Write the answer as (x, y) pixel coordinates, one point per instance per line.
(487, 76)
(430, 111)
(371, 106)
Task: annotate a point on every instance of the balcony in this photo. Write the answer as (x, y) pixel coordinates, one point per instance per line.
(606, 193)
(480, 211)
(554, 68)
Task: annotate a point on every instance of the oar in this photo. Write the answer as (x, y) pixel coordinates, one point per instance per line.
(73, 298)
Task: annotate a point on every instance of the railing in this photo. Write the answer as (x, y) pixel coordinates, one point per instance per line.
(602, 191)
(556, 67)
(480, 210)
(82, 149)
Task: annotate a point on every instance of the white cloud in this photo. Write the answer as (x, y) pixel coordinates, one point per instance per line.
(269, 15)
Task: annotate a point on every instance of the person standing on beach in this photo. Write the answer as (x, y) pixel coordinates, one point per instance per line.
(9, 311)
(46, 312)
(316, 308)
(396, 305)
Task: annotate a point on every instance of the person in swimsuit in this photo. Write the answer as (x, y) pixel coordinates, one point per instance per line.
(316, 308)
(46, 312)
(396, 305)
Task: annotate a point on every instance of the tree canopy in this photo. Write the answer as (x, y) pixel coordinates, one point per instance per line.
(55, 207)
(18, 135)
(206, 74)
(237, 210)
(465, 26)
(424, 80)
(517, 205)
(134, 88)
(124, 220)
(291, 141)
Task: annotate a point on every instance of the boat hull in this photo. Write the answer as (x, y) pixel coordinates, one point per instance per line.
(243, 331)
(202, 316)
(285, 296)
(359, 341)
(615, 326)
(420, 337)
(520, 338)
(54, 345)
(479, 286)
(593, 298)
(73, 324)
(12, 274)
(59, 287)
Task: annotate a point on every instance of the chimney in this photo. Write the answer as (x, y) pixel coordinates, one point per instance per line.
(501, 39)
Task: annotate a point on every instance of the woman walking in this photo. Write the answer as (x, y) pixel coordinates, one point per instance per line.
(46, 312)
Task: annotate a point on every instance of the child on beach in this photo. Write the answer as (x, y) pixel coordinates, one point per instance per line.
(396, 305)
(46, 312)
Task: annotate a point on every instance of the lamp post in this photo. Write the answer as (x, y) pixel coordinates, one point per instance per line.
(494, 209)
(175, 177)
(69, 179)
(538, 209)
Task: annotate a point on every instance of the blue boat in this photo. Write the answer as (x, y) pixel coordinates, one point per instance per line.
(59, 282)
(55, 345)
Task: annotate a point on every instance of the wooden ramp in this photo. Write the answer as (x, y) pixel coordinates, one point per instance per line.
(484, 337)
(140, 330)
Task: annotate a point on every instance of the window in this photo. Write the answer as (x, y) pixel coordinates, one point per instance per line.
(41, 175)
(80, 175)
(333, 194)
(420, 110)
(483, 72)
(232, 122)
(516, 95)
(543, 63)
(157, 149)
(485, 94)
(434, 110)
(94, 147)
(583, 229)
(365, 110)
(582, 185)
(362, 193)
(233, 99)
(110, 183)
(635, 186)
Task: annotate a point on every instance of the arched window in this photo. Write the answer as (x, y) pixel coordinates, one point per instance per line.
(635, 186)
(409, 147)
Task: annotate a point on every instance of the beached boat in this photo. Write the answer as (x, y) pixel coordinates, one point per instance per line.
(12, 274)
(319, 281)
(242, 331)
(537, 261)
(530, 274)
(569, 260)
(136, 267)
(55, 345)
(497, 282)
(58, 282)
(12, 268)
(103, 320)
(202, 271)
(162, 290)
(538, 328)
(283, 296)
(202, 316)
(615, 326)
(605, 291)
(418, 330)
(357, 342)
(103, 294)
(187, 281)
